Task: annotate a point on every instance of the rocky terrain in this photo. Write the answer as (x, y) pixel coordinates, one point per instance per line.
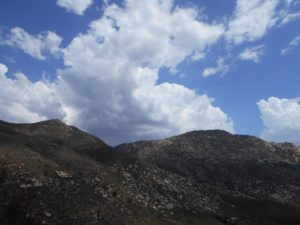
(52, 173)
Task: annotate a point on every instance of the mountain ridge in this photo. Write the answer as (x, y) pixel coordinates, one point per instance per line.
(52, 173)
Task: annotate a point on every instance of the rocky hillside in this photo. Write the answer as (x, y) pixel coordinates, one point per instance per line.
(52, 173)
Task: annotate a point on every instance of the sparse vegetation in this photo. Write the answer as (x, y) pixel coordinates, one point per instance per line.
(51, 173)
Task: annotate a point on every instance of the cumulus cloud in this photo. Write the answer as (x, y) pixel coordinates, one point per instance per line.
(281, 118)
(24, 101)
(252, 19)
(3, 69)
(36, 46)
(109, 85)
(293, 44)
(252, 54)
(221, 68)
(76, 6)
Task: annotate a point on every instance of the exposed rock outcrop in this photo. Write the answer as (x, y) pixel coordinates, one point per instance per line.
(52, 173)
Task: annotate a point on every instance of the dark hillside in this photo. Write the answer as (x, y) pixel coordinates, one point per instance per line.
(52, 173)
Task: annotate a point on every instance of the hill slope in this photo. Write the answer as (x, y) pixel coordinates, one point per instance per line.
(52, 173)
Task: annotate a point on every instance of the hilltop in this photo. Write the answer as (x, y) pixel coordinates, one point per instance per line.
(52, 173)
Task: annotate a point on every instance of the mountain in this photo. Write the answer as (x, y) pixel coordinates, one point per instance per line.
(52, 173)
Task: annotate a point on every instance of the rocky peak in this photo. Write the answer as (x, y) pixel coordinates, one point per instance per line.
(56, 122)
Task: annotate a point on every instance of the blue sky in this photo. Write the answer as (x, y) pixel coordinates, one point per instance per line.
(129, 70)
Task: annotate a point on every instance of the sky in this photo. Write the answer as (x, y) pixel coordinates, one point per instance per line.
(146, 69)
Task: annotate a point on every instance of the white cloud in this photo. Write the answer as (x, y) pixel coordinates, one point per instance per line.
(197, 56)
(24, 101)
(252, 54)
(109, 85)
(281, 118)
(293, 44)
(288, 12)
(288, 17)
(3, 69)
(115, 94)
(36, 46)
(76, 6)
(221, 69)
(252, 20)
